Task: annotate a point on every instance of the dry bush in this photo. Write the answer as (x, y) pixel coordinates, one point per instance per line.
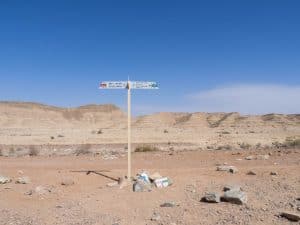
(146, 148)
(166, 131)
(12, 151)
(1, 153)
(225, 132)
(83, 149)
(292, 143)
(99, 131)
(224, 147)
(245, 145)
(33, 151)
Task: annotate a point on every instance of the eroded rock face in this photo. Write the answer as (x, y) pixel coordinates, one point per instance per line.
(4, 180)
(235, 197)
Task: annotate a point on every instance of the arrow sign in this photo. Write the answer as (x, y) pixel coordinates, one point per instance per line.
(124, 85)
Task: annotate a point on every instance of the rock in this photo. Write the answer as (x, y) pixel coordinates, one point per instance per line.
(274, 173)
(169, 204)
(23, 180)
(67, 182)
(4, 180)
(30, 192)
(250, 157)
(263, 157)
(229, 187)
(235, 197)
(155, 217)
(112, 184)
(291, 216)
(251, 172)
(140, 186)
(212, 197)
(155, 176)
(41, 190)
(231, 169)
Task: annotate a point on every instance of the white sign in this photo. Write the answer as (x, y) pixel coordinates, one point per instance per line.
(124, 85)
(113, 84)
(143, 85)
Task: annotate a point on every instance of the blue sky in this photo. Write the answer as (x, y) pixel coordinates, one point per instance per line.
(206, 55)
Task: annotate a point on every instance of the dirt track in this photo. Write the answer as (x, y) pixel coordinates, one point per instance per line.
(90, 201)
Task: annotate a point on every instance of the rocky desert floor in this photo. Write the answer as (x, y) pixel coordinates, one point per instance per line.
(92, 198)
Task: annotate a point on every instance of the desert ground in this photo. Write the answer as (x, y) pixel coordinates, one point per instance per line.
(62, 166)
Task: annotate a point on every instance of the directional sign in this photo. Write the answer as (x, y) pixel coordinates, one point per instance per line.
(128, 85)
(143, 85)
(113, 84)
(124, 85)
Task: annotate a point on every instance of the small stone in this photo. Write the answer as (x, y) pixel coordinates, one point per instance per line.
(155, 217)
(113, 184)
(168, 204)
(231, 169)
(4, 180)
(41, 190)
(23, 180)
(250, 157)
(140, 186)
(291, 216)
(30, 192)
(155, 176)
(263, 157)
(212, 197)
(67, 182)
(251, 172)
(235, 197)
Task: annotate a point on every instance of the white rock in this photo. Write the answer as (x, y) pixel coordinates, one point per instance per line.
(4, 180)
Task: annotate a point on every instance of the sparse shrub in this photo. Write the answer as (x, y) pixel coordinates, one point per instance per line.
(169, 142)
(209, 147)
(258, 145)
(12, 151)
(99, 131)
(224, 147)
(146, 148)
(83, 149)
(225, 132)
(166, 131)
(60, 136)
(245, 145)
(292, 143)
(251, 132)
(1, 153)
(52, 138)
(33, 151)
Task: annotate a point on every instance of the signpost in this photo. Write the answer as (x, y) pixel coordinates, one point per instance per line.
(128, 85)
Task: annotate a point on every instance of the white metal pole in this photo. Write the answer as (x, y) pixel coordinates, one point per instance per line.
(129, 130)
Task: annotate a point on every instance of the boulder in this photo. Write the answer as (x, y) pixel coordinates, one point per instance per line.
(212, 197)
(235, 197)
